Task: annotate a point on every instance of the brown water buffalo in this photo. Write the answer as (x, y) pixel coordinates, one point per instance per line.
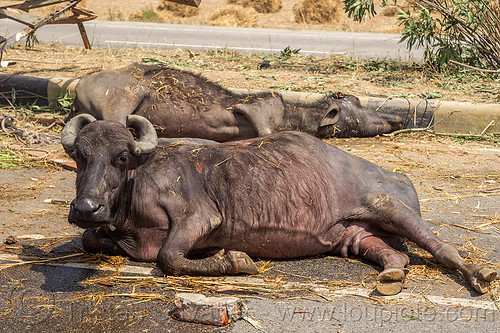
(183, 104)
(198, 208)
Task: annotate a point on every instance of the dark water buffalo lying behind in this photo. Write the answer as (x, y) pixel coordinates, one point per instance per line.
(205, 209)
(183, 104)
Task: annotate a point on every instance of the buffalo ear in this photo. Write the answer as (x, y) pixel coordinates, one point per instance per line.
(332, 116)
(70, 131)
(147, 137)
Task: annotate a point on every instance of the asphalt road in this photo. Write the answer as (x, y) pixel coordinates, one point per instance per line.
(168, 36)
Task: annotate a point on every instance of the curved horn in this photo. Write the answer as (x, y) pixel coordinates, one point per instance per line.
(70, 131)
(147, 140)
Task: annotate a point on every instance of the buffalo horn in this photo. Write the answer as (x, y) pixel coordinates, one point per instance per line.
(70, 131)
(147, 138)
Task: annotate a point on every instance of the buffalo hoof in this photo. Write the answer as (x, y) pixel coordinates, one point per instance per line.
(241, 262)
(480, 278)
(389, 288)
(392, 275)
(390, 281)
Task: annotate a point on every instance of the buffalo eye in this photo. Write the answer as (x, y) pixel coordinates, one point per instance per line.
(123, 157)
(79, 153)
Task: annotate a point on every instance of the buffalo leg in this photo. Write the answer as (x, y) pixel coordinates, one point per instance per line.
(222, 263)
(390, 280)
(397, 217)
(173, 255)
(98, 241)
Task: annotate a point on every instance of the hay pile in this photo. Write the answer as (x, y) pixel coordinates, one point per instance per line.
(317, 11)
(135, 17)
(261, 6)
(178, 9)
(235, 17)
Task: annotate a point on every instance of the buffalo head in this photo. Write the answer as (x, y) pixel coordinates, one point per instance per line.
(104, 151)
(348, 118)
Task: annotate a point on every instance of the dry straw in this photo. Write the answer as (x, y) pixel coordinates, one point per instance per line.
(178, 9)
(317, 11)
(235, 17)
(261, 6)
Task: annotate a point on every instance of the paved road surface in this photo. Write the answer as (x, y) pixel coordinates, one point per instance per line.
(155, 35)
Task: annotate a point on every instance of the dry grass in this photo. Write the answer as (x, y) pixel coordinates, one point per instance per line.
(390, 11)
(261, 6)
(232, 69)
(235, 17)
(317, 11)
(178, 9)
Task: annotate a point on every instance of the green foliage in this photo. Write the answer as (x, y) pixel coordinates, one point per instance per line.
(459, 30)
(359, 9)
(63, 103)
(287, 53)
(31, 41)
(8, 160)
(149, 15)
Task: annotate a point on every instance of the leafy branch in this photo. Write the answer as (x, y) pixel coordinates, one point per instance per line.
(464, 31)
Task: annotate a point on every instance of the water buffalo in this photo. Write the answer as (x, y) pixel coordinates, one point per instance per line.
(183, 104)
(205, 209)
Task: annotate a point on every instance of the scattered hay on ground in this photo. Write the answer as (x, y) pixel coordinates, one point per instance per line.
(317, 11)
(135, 17)
(178, 9)
(261, 6)
(235, 17)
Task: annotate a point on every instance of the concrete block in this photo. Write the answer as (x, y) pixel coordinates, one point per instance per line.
(453, 117)
(197, 308)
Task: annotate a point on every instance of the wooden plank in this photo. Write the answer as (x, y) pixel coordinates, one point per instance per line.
(79, 15)
(30, 4)
(194, 3)
(74, 19)
(26, 31)
(20, 16)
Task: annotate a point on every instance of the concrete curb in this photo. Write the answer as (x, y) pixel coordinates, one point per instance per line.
(448, 117)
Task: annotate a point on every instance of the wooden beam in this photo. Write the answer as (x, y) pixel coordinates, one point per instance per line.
(30, 4)
(83, 33)
(26, 31)
(194, 3)
(79, 15)
(19, 16)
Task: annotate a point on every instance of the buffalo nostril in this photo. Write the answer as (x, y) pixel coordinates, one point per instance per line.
(86, 206)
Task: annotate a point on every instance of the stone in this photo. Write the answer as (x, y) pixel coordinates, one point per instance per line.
(198, 308)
